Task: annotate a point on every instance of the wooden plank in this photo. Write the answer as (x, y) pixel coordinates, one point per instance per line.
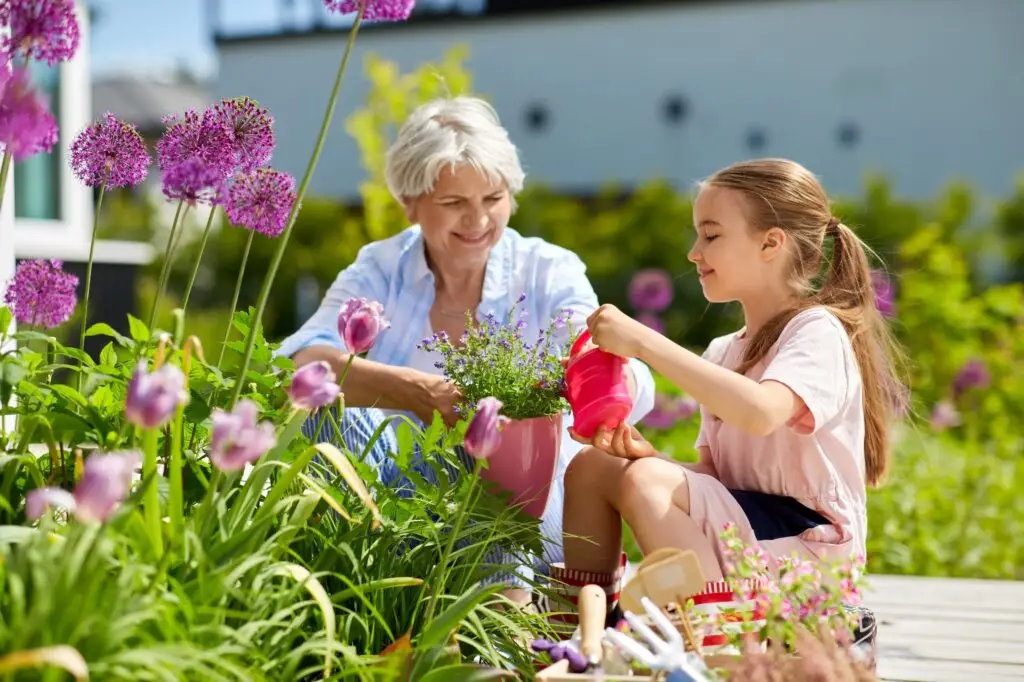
(902, 670)
(948, 629)
(984, 594)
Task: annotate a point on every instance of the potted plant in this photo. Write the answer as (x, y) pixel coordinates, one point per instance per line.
(493, 359)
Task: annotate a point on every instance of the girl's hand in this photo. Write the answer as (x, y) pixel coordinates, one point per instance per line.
(616, 332)
(625, 441)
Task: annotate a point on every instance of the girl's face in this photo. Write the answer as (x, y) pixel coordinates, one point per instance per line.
(735, 261)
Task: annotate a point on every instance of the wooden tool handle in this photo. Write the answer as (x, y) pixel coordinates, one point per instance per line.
(593, 607)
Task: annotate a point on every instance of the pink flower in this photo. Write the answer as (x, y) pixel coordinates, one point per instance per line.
(238, 438)
(652, 320)
(26, 125)
(44, 30)
(651, 290)
(374, 10)
(944, 416)
(973, 374)
(153, 397)
(314, 385)
(39, 500)
(484, 433)
(359, 323)
(105, 483)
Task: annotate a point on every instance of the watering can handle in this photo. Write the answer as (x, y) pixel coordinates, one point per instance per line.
(581, 341)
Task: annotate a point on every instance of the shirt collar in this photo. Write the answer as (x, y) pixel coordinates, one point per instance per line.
(496, 278)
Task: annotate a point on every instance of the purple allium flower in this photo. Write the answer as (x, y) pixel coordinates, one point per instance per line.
(652, 320)
(261, 200)
(376, 10)
(944, 416)
(359, 323)
(252, 131)
(26, 125)
(314, 385)
(154, 396)
(42, 294)
(110, 152)
(45, 30)
(39, 500)
(885, 294)
(651, 290)
(105, 483)
(204, 136)
(973, 374)
(194, 182)
(483, 436)
(238, 437)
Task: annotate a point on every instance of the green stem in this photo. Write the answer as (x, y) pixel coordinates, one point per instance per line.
(199, 258)
(151, 499)
(238, 290)
(88, 276)
(175, 465)
(164, 270)
(5, 168)
(268, 281)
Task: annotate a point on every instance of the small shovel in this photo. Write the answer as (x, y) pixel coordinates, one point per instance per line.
(593, 608)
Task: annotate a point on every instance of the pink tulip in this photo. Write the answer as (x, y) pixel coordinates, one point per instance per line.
(359, 323)
(154, 396)
(105, 483)
(39, 500)
(484, 433)
(238, 438)
(314, 385)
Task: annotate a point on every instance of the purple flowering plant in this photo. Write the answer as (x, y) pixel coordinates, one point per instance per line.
(495, 359)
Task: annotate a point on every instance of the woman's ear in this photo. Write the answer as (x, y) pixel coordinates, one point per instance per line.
(772, 244)
(409, 206)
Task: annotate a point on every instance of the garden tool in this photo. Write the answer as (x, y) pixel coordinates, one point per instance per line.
(667, 652)
(593, 606)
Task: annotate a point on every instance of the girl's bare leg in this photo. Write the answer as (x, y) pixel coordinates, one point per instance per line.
(651, 494)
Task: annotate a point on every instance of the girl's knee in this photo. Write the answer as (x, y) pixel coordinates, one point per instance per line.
(652, 480)
(591, 469)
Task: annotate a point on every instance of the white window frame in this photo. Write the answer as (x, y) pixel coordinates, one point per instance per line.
(70, 234)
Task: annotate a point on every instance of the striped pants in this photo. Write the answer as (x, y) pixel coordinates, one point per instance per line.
(358, 425)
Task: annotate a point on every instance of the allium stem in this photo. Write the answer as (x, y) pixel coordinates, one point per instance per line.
(234, 298)
(88, 275)
(151, 499)
(268, 281)
(199, 258)
(5, 168)
(165, 269)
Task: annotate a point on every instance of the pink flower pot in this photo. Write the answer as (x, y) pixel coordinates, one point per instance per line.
(525, 461)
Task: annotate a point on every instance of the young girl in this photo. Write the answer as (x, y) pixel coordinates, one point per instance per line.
(794, 406)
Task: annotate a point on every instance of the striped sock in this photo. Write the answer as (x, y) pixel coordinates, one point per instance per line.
(568, 582)
(718, 596)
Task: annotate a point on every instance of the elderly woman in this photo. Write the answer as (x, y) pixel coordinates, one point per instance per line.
(455, 173)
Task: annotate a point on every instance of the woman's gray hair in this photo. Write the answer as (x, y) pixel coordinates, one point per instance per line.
(448, 132)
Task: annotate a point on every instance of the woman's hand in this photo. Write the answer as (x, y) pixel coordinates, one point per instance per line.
(430, 392)
(625, 441)
(616, 332)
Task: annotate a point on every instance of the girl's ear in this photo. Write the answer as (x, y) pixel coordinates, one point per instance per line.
(772, 244)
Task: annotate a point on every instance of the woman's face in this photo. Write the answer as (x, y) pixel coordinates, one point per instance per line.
(463, 217)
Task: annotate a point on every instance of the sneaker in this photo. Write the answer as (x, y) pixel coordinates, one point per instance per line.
(864, 647)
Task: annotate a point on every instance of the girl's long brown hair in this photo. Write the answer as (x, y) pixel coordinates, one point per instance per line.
(782, 193)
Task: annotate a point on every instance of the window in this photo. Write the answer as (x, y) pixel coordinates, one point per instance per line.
(37, 180)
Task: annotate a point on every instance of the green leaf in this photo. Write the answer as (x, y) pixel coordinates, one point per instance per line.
(138, 329)
(108, 356)
(440, 628)
(69, 393)
(104, 329)
(465, 672)
(5, 319)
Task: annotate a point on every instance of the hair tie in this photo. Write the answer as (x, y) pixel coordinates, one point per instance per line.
(833, 225)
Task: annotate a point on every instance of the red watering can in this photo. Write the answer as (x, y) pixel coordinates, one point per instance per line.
(596, 388)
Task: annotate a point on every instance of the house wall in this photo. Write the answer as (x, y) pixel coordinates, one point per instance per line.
(925, 91)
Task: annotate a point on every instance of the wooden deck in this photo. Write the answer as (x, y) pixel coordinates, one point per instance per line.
(948, 630)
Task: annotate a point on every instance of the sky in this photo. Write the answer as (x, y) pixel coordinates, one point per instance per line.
(150, 35)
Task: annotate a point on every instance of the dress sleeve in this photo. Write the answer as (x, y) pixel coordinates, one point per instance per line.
(814, 360)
